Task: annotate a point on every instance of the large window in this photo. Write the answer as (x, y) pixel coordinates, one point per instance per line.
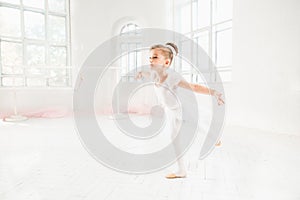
(34, 43)
(209, 23)
(130, 44)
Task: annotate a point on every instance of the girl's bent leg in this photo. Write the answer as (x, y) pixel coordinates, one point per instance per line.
(175, 127)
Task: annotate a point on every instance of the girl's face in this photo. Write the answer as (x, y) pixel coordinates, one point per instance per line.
(158, 60)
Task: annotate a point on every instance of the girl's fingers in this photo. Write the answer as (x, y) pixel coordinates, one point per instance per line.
(222, 101)
(219, 98)
(138, 76)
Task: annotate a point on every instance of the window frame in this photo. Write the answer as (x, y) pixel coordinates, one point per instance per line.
(130, 38)
(45, 42)
(212, 36)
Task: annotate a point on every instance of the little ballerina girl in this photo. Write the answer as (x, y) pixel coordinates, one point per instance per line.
(166, 84)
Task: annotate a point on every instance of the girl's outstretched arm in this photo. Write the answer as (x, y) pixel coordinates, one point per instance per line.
(142, 74)
(202, 90)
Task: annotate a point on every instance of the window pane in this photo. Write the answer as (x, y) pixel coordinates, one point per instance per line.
(124, 29)
(201, 14)
(224, 48)
(124, 64)
(132, 63)
(11, 53)
(58, 82)
(36, 71)
(225, 76)
(11, 1)
(185, 48)
(57, 29)
(56, 73)
(58, 56)
(58, 77)
(223, 10)
(202, 40)
(12, 81)
(197, 78)
(10, 22)
(185, 66)
(132, 28)
(185, 18)
(34, 25)
(12, 69)
(35, 55)
(35, 3)
(139, 59)
(57, 5)
(132, 58)
(36, 82)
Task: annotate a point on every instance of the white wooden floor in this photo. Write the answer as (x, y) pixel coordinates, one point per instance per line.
(43, 159)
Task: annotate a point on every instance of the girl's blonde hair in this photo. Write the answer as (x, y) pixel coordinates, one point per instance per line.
(167, 50)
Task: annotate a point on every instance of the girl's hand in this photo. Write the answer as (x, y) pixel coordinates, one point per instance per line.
(219, 97)
(139, 75)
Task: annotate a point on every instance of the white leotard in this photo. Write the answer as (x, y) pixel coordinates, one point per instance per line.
(167, 91)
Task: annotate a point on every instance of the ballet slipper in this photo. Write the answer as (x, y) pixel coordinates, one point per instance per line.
(173, 176)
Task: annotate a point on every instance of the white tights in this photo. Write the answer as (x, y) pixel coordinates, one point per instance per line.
(174, 119)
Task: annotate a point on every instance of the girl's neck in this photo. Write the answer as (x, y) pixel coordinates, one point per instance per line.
(162, 76)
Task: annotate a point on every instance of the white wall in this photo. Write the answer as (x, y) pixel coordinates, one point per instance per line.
(265, 92)
(35, 101)
(93, 21)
